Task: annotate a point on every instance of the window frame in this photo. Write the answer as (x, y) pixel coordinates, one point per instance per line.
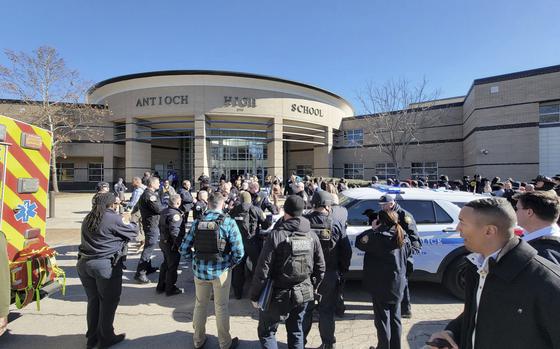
(354, 166)
(91, 168)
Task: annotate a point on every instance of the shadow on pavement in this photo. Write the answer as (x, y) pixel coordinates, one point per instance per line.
(9, 341)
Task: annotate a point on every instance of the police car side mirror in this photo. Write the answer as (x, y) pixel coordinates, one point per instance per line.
(449, 229)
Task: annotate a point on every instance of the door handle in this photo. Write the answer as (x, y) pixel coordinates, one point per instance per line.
(449, 229)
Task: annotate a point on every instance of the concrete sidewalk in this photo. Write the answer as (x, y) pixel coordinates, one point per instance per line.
(152, 320)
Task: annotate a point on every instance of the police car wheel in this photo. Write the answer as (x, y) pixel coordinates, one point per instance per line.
(454, 277)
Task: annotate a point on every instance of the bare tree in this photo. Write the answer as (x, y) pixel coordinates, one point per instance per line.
(55, 95)
(396, 111)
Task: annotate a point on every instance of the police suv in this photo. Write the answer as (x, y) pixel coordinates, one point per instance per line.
(436, 212)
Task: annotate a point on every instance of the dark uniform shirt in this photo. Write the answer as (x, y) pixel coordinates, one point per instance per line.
(150, 209)
(199, 209)
(407, 222)
(186, 200)
(110, 237)
(260, 199)
(255, 220)
(170, 223)
(341, 254)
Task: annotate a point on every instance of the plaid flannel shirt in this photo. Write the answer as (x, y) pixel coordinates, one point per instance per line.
(212, 270)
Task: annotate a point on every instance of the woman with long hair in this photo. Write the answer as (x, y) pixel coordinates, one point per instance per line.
(386, 248)
(105, 235)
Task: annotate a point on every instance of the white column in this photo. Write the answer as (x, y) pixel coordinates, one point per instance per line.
(138, 152)
(323, 156)
(200, 146)
(275, 151)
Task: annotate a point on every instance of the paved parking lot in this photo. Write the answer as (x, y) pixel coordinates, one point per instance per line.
(151, 320)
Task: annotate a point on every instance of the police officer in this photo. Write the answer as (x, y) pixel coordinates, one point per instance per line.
(386, 248)
(187, 200)
(150, 209)
(260, 199)
(201, 204)
(338, 253)
(407, 222)
(102, 187)
(104, 236)
(292, 259)
(171, 236)
(249, 219)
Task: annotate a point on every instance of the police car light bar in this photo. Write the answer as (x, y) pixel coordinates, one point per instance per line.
(388, 189)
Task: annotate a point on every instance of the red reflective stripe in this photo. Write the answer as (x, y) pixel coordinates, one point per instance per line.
(11, 251)
(26, 162)
(45, 153)
(11, 182)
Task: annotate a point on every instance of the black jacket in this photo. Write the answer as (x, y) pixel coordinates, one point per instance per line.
(408, 223)
(519, 306)
(170, 223)
(150, 208)
(260, 199)
(340, 257)
(111, 235)
(249, 220)
(186, 200)
(268, 263)
(547, 247)
(384, 269)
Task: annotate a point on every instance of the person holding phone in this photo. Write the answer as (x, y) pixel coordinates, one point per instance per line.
(386, 248)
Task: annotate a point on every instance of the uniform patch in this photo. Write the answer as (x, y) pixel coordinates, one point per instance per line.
(153, 198)
(176, 218)
(407, 219)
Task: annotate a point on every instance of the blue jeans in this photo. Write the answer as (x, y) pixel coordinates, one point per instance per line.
(268, 326)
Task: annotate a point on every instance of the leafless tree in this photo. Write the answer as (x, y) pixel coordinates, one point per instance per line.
(396, 111)
(55, 94)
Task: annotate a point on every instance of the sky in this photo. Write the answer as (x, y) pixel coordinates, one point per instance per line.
(340, 46)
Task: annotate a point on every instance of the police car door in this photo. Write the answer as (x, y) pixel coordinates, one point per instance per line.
(436, 223)
(357, 223)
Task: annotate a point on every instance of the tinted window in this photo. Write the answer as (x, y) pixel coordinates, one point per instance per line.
(441, 215)
(356, 210)
(422, 211)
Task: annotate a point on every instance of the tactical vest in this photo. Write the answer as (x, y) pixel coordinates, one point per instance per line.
(294, 254)
(246, 227)
(324, 232)
(208, 245)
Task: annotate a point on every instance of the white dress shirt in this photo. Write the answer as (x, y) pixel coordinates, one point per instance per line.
(551, 230)
(482, 264)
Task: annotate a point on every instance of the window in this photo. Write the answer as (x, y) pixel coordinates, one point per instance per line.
(354, 171)
(353, 137)
(549, 113)
(356, 210)
(422, 211)
(385, 170)
(65, 172)
(424, 169)
(95, 172)
(304, 170)
(441, 215)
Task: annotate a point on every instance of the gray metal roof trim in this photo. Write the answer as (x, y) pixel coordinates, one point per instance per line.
(209, 72)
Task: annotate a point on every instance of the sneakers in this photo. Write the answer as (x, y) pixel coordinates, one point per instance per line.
(141, 278)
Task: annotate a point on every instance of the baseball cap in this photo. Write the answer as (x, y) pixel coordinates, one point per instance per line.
(385, 199)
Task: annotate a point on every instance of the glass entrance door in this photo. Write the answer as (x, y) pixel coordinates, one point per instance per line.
(234, 157)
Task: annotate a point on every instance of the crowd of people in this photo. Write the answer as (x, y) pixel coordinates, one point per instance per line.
(296, 266)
